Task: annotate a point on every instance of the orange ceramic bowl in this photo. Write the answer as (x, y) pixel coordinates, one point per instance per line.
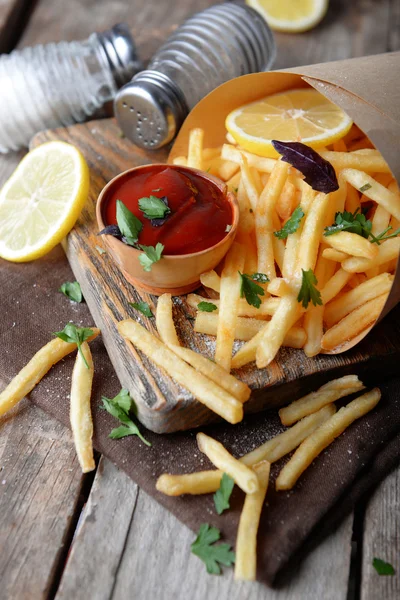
(176, 274)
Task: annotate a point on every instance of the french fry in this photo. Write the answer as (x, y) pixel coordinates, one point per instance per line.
(250, 184)
(326, 394)
(246, 541)
(202, 482)
(293, 240)
(233, 183)
(35, 370)
(267, 307)
(212, 280)
(286, 202)
(210, 369)
(207, 392)
(265, 219)
(246, 218)
(233, 154)
(371, 163)
(339, 146)
(229, 305)
(335, 255)
(164, 321)
(334, 285)
(180, 160)
(247, 328)
(244, 476)
(354, 323)
(207, 482)
(209, 153)
(345, 304)
(279, 287)
(195, 148)
(352, 244)
(80, 411)
(352, 203)
(323, 436)
(272, 336)
(380, 220)
(387, 251)
(374, 190)
(313, 319)
(311, 233)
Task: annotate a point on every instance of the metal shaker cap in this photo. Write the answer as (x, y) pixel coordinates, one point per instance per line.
(120, 52)
(150, 109)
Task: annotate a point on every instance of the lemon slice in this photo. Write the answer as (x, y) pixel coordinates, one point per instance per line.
(291, 15)
(302, 115)
(41, 201)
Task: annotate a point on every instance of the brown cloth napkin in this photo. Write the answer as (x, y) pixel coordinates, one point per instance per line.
(32, 308)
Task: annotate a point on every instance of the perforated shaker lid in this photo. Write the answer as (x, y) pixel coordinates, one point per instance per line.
(120, 52)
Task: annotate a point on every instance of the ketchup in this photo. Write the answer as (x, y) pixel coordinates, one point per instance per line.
(199, 213)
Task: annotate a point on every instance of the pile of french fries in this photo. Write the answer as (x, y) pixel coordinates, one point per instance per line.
(354, 275)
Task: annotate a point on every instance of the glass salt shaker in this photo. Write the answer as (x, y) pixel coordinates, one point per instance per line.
(59, 84)
(222, 42)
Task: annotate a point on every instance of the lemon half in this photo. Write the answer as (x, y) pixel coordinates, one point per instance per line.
(302, 115)
(291, 15)
(41, 201)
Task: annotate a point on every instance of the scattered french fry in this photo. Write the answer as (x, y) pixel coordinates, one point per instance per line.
(80, 411)
(374, 190)
(371, 163)
(35, 370)
(272, 336)
(246, 541)
(201, 482)
(323, 436)
(328, 393)
(195, 148)
(244, 476)
(352, 244)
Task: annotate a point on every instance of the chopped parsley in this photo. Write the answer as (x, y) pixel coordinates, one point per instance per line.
(153, 207)
(223, 493)
(129, 225)
(382, 567)
(213, 555)
(72, 290)
(250, 290)
(358, 223)
(291, 225)
(150, 255)
(207, 306)
(142, 307)
(119, 407)
(75, 335)
(308, 292)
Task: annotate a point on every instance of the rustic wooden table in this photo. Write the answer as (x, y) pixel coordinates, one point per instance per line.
(71, 537)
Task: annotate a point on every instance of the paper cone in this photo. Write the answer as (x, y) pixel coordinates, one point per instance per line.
(367, 88)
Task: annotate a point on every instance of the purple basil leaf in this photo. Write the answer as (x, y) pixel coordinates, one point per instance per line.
(111, 230)
(159, 222)
(317, 171)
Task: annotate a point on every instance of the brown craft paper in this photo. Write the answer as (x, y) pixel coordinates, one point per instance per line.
(366, 88)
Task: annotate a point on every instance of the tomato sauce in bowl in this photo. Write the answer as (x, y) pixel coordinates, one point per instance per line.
(200, 214)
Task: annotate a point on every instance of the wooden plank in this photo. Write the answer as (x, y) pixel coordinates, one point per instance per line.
(148, 555)
(40, 484)
(107, 294)
(382, 540)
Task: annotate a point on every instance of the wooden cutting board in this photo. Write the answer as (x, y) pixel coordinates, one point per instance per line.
(163, 406)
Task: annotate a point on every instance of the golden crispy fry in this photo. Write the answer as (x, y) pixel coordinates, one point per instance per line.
(265, 224)
(250, 184)
(335, 284)
(233, 183)
(246, 541)
(371, 163)
(387, 251)
(207, 482)
(323, 436)
(380, 220)
(352, 203)
(244, 477)
(206, 391)
(35, 370)
(210, 369)
(334, 255)
(246, 215)
(312, 231)
(229, 305)
(374, 190)
(279, 287)
(80, 412)
(286, 202)
(293, 239)
(234, 154)
(164, 320)
(267, 307)
(212, 280)
(352, 244)
(328, 393)
(354, 323)
(209, 153)
(202, 482)
(247, 328)
(195, 149)
(369, 289)
(272, 336)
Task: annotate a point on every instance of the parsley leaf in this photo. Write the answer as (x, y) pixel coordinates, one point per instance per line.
(353, 222)
(72, 290)
(75, 335)
(142, 307)
(308, 292)
(365, 187)
(250, 290)
(222, 495)
(291, 224)
(212, 555)
(150, 255)
(207, 306)
(119, 407)
(382, 236)
(129, 225)
(382, 567)
(153, 207)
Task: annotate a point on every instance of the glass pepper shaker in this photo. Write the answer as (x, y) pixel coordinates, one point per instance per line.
(222, 42)
(59, 84)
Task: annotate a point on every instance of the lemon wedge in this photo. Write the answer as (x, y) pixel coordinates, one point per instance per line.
(291, 16)
(302, 115)
(41, 201)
